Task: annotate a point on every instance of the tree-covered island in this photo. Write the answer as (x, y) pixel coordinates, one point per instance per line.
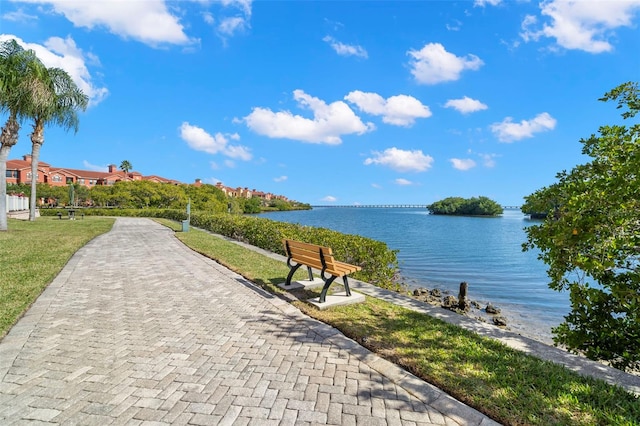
(458, 206)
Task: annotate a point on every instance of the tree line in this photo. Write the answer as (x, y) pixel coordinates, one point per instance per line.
(146, 194)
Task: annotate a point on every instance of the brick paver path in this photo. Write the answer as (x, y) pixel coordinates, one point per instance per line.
(138, 329)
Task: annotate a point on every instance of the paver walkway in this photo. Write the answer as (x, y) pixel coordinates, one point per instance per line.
(138, 329)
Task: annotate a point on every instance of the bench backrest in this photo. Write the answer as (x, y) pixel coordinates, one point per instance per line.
(309, 254)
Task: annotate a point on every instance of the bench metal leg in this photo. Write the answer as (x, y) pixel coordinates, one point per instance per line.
(327, 284)
(310, 273)
(291, 272)
(346, 286)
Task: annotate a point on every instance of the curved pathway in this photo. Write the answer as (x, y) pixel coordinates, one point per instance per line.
(139, 329)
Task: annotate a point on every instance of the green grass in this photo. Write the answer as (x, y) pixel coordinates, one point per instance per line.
(507, 385)
(33, 253)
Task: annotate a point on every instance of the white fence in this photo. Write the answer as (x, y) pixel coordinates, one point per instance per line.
(16, 204)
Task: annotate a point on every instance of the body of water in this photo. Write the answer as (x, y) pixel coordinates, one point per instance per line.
(442, 251)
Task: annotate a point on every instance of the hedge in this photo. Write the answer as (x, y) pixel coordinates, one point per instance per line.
(379, 263)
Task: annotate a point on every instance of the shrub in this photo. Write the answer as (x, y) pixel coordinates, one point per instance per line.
(379, 263)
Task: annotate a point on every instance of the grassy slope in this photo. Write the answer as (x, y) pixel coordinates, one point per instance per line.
(509, 386)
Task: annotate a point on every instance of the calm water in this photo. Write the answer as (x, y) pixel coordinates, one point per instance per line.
(442, 251)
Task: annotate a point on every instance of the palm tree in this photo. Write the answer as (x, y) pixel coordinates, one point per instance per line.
(61, 108)
(20, 70)
(126, 166)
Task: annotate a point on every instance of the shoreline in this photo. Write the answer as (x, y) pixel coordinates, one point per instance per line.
(516, 320)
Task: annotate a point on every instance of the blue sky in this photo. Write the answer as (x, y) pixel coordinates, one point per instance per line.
(335, 102)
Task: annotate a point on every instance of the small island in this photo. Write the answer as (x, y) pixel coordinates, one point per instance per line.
(458, 206)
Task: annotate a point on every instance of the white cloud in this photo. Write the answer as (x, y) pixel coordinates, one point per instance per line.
(19, 16)
(376, 186)
(208, 18)
(400, 110)
(465, 105)
(433, 64)
(346, 49)
(403, 182)
(237, 151)
(462, 163)
(488, 160)
(456, 26)
(244, 5)
(330, 199)
(95, 168)
(401, 160)
(328, 124)
(149, 21)
(198, 139)
(63, 53)
(231, 25)
(581, 25)
(483, 3)
(280, 179)
(508, 131)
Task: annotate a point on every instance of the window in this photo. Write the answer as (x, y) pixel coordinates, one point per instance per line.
(69, 180)
(81, 181)
(12, 174)
(56, 178)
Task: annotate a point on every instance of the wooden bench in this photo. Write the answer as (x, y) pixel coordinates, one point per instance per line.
(320, 258)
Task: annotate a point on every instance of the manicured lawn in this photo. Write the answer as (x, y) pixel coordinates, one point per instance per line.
(33, 253)
(507, 385)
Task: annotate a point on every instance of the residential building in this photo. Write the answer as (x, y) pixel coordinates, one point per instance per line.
(249, 193)
(19, 171)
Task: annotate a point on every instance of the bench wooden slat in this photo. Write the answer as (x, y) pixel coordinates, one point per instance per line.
(308, 247)
(314, 262)
(312, 255)
(309, 254)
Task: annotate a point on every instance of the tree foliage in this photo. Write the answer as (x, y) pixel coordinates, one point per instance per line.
(475, 206)
(20, 73)
(59, 101)
(126, 166)
(590, 241)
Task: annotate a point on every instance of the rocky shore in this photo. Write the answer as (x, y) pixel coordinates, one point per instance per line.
(461, 304)
(517, 320)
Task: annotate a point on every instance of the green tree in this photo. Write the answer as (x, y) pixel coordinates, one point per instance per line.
(207, 198)
(252, 205)
(101, 195)
(121, 196)
(126, 167)
(475, 206)
(59, 104)
(590, 241)
(20, 72)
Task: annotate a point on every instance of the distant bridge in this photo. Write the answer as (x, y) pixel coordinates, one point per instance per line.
(379, 206)
(393, 206)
